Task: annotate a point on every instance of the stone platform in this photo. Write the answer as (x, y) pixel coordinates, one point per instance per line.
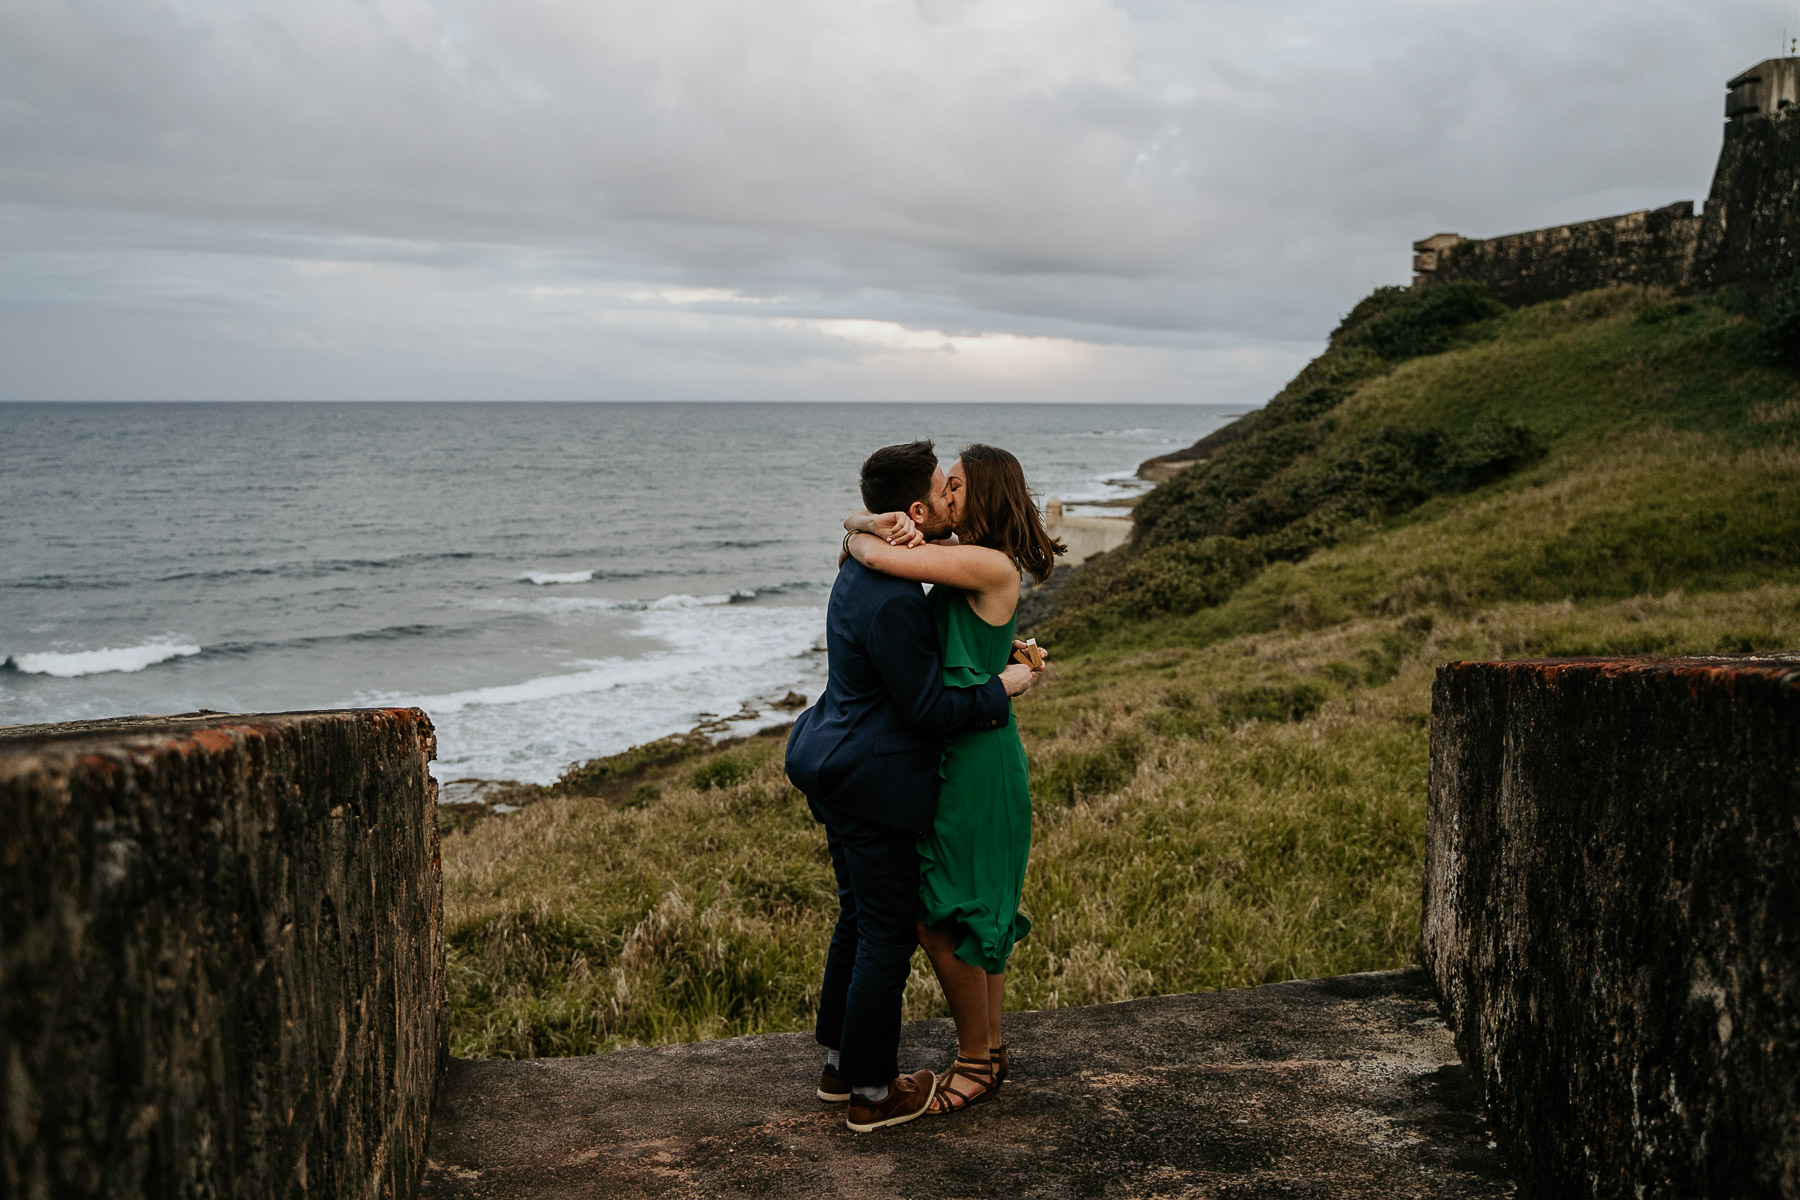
(1332, 1088)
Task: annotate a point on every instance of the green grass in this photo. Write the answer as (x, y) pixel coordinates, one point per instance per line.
(1229, 761)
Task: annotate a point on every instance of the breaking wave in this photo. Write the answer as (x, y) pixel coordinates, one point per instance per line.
(99, 662)
(544, 578)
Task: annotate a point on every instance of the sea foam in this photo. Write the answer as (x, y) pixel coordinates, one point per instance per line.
(569, 604)
(705, 658)
(543, 578)
(99, 662)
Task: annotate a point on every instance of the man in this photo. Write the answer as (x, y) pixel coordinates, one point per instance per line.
(866, 756)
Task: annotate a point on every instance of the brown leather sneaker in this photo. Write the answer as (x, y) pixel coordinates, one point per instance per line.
(906, 1099)
(832, 1090)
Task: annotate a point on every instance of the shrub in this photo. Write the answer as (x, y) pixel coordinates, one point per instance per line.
(1305, 404)
(722, 772)
(1656, 314)
(1780, 330)
(1193, 504)
(596, 773)
(1493, 449)
(1182, 577)
(1401, 323)
(1278, 496)
(1270, 702)
(1071, 776)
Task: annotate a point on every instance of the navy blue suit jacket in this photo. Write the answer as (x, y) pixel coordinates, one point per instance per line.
(871, 746)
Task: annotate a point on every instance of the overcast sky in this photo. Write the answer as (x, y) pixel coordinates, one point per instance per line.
(883, 200)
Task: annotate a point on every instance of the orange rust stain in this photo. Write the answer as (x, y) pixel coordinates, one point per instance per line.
(214, 741)
(100, 764)
(1699, 674)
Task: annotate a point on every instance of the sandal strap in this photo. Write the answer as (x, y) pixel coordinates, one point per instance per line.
(955, 1100)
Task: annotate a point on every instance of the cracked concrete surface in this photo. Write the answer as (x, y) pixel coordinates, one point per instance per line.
(1330, 1088)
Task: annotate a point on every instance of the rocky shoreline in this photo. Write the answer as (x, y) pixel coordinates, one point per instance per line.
(464, 802)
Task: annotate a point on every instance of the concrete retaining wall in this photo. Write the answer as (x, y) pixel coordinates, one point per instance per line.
(221, 957)
(1612, 917)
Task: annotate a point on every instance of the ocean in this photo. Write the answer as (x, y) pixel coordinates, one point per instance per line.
(549, 582)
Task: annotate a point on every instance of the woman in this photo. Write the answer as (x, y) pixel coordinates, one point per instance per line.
(972, 865)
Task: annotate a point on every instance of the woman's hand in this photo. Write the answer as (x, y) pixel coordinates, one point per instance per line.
(897, 529)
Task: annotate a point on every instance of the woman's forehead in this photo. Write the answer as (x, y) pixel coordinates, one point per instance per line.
(956, 469)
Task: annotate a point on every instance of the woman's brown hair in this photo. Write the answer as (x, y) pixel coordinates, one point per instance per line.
(997, 511)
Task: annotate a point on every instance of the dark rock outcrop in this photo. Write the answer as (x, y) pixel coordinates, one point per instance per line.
(1335, 1089)
(1612, 919)
(221, 956)
(1164, 466)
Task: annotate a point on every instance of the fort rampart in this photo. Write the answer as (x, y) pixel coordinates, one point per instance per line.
(221, 957)
(1746, 240)
(1611, 917)
(221, 964)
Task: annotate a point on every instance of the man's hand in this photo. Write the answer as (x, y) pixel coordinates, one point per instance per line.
(1017, 679)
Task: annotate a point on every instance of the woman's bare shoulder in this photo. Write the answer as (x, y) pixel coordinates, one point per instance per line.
(996, 561)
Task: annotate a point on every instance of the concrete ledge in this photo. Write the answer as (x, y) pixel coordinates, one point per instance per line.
(1334, 1088)
(1612, 917)
(221, 960)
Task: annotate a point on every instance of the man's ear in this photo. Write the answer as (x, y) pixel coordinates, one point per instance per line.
(919, 512)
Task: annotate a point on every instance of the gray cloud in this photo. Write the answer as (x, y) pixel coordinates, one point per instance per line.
(1069, 198)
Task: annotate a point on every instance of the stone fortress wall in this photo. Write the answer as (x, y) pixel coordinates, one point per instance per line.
(1611, 921)
(221, 956)
(1747, 238)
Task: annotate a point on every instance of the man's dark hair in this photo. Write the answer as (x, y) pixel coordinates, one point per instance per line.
(895, 476)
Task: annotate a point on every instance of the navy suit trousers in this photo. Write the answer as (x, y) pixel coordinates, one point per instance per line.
(870, 957)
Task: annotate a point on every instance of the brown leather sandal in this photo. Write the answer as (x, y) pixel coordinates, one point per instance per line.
(976, 1071)
(1002, 1064)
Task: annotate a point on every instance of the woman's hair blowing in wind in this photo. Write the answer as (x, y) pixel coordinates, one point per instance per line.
(997, 511)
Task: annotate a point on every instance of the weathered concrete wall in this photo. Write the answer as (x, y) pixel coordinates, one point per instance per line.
(1612, 917)
(1650, 247)
(221, 957)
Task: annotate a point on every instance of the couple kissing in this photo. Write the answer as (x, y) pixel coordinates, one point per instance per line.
(911, 761)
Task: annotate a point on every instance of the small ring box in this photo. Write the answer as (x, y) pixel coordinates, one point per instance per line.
(1031, 654)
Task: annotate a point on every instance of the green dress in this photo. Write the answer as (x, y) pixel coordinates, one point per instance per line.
(972, 864)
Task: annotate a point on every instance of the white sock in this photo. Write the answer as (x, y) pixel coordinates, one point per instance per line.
(831, 1059)
(874, 1095)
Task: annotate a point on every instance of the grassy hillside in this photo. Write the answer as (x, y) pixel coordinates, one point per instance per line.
(1229, 761)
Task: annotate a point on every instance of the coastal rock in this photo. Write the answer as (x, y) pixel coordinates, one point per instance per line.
(1165, 466)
